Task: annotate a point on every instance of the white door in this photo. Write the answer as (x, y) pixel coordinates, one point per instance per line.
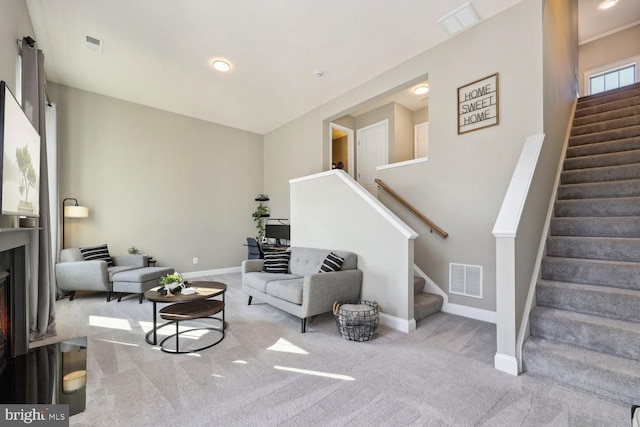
(421, 140)
(373, 151)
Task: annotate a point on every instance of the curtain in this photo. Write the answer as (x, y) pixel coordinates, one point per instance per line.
(42, 295)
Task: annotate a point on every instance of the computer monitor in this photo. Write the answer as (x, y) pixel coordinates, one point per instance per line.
(277, 231)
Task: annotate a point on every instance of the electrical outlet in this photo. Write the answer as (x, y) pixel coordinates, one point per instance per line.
(195, 260)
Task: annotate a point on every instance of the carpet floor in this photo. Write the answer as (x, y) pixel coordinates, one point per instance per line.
(266, 373)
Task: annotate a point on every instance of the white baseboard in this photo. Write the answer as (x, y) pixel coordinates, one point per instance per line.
(505, 363)
(196, 274)
(470, 312)
(397, 323)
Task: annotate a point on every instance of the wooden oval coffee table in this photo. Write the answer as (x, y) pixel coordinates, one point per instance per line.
(187, 307)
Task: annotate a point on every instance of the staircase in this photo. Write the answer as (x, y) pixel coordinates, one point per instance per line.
(585, 329)
(424, 303)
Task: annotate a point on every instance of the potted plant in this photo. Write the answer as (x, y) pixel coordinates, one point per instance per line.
(133, 250)
(260, 212)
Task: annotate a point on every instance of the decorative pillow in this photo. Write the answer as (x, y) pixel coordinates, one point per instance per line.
(97, 253)
(332, 262)
(276, 262)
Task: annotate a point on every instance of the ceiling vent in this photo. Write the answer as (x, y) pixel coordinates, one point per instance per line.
(459, 20)
(94, 44)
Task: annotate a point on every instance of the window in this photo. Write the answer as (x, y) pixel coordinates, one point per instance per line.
(612, 79)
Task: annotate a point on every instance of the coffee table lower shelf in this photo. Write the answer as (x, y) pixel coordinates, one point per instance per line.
(183, 311)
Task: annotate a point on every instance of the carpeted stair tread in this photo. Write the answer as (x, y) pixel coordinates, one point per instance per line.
(620, 206)
(626, 226)
(603, 248)
(599, 161)
(625, 144)
(610, 376)
(418, 284)
(632, 106)
(611, 336)
(589, 299)
(595, 109)
(609, 96)
(617, 274)
(601, 174)
(426, 304)
(593, 190)
(619, 123)
(605, 135)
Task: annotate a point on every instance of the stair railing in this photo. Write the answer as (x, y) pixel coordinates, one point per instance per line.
(413, 210)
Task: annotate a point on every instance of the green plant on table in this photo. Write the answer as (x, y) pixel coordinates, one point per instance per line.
(260, 212)
(171, 278)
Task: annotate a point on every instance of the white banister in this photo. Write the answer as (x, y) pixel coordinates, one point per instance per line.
(505, 230)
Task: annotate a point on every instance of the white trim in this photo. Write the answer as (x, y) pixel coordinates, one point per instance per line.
(405, 163)
(634, 60)
(350, 146)
(386, 213)
(470, 312)
(506, 363)
(397, 323)
(197, 274)
(506, 224)
(608, 33)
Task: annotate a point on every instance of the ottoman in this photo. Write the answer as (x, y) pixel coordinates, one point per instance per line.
(138, 281)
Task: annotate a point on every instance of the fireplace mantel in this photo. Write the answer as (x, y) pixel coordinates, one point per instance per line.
(13, 238)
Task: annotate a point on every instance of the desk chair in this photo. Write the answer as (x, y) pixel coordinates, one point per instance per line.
(255, 251)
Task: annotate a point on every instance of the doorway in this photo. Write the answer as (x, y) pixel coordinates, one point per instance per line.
(373, 151)
(341, 148)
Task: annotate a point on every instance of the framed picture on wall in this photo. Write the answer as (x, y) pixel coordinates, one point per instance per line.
(478, 104)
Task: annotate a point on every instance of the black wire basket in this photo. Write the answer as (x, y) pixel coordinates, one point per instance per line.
(357, 320)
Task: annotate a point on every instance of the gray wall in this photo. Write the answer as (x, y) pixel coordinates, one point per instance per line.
(462, 185)
(615, 47)
(173, 186)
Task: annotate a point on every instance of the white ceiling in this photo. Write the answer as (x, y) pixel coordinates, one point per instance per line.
(158, 52)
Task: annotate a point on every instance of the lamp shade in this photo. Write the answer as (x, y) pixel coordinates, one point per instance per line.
(76, 211)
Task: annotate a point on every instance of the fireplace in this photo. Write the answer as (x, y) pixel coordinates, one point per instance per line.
(15, 247)
(13, 322)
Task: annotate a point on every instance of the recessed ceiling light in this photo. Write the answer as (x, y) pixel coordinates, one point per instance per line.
(607, 4)
(421, 90)
(220, 65)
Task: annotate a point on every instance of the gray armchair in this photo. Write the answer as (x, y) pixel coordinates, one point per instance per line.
(74, 274)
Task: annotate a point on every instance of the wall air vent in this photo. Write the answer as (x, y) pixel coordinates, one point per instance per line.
(94, 44)
(465, 280)
(459, 20)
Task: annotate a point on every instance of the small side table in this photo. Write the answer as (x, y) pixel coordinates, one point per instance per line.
(151, 262)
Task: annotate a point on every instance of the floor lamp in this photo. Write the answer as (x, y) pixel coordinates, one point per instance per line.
(73, 211)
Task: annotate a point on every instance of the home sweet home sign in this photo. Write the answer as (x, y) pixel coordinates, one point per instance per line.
(478, 104)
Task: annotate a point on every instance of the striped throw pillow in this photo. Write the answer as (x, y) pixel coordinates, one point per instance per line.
(332, 262)
(97, 253)
(276, 262)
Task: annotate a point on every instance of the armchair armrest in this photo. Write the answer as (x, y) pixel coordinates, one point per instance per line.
(321, 290)
(131, 260)
(251, 265)
(82, 275)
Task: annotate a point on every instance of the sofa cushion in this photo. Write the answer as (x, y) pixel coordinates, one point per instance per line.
(118, 269)
(332, 262)
(97, 253)
(276, 262)
(288, 290)
(259, 280)
(306, 260)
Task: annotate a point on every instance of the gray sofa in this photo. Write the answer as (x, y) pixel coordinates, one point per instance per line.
(73, 273)
(303, 291)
